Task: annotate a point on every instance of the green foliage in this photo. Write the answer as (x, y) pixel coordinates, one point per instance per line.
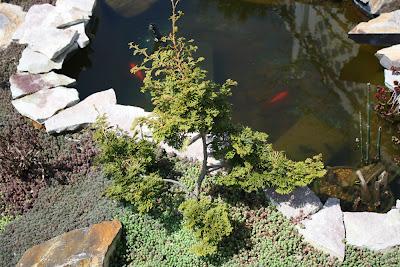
(257, 166)
(209, 222)
(57, 210)
(133, 166)
(4, 220)
(184, 100)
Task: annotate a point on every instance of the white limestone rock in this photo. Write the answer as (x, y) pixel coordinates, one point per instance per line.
(85, 5)
(387, 23)
(51, 42)
(325, 229)
(11, 17)
(26, 83)
(36, 17)
(122, 117)
(300, 203)
(374, 231)
(45, 103)
(82, 114)
(389, 57)
(83, 39)
(390, 79)
(35, 62)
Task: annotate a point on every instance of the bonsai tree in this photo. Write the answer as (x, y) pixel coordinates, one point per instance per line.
(189, 107)
(186, 103)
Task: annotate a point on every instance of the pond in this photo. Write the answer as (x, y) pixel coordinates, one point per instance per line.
(301, 79)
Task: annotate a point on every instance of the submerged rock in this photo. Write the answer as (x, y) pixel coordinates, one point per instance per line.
(25, 83)
(389, 57)
(11, 17)
(82, 114)
(300, 203)
(91, 246)
(376, 7)
(383, 30)
(35, 62)
(45, 103)
(325, 229)
(373, 230)
(130, 8)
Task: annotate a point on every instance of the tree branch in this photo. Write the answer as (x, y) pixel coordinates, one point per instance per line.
(203, 172)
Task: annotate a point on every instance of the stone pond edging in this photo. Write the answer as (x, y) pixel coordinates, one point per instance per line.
(52, 33)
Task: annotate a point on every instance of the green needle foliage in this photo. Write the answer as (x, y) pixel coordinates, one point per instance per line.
(187, 104)
(209, 222)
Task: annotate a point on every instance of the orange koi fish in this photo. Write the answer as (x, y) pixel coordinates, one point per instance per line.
(279, 97)
(139, 74)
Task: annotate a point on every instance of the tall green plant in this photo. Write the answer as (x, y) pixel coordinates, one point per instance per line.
(186, 102)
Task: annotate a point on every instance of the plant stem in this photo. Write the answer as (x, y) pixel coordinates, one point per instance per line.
(368, 124)
(203, 172)
(361, 139)
(378, 144)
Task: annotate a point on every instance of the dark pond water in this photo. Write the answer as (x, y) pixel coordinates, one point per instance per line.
(300, 78)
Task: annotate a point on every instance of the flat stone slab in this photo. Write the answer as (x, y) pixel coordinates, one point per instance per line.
(36, 17)
(383, 30)
(122, 117)
(45, 103)
(389, 57)
(376, 7)
(325, 229)
(82, 114)
(25, 83)
(85, 5)
(300, 203)
(51, 42)
(11, 17)
(90, 246)
(373, 230)
(35, 62)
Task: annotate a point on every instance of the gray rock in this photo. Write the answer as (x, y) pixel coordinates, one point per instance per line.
(325, 229)
(45, 103)
(373, 230)
(389, 57)
(25, 83)
(85, 5)
(35, 62)
(300, 203)
(82, 114)
(11, 17)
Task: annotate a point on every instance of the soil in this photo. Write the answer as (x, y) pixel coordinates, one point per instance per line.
(26, 4)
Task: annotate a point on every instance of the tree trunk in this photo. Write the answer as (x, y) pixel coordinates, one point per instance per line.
(203, 172)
